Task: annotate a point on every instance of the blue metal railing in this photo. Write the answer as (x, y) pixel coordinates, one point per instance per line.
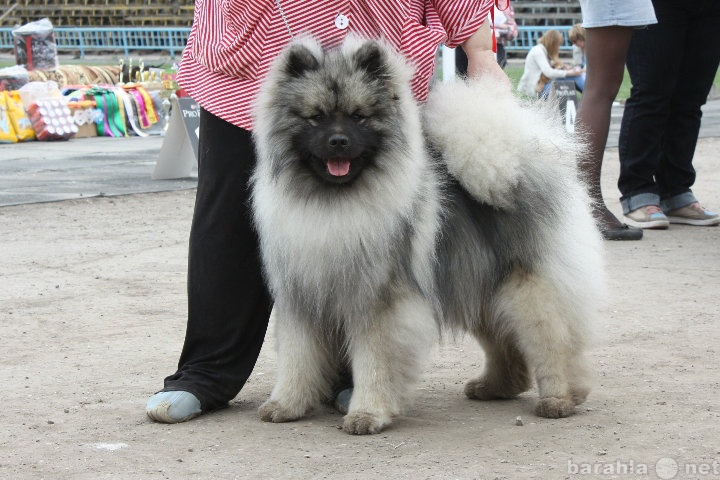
(125, 39)
(172, 39)
(528, 36)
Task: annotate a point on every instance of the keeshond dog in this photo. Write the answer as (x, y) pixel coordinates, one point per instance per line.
(380, 220)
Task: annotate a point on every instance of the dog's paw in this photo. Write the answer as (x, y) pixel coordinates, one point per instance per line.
(480, 389)
(554, 407)
(363, 423)
(272, 411)
(579, 394)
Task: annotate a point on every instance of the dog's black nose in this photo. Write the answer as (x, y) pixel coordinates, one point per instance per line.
(338, 140)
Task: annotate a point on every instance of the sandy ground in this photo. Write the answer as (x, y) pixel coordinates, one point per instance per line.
(92, 297)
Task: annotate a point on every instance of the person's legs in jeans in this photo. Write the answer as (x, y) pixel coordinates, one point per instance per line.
(699, 63)
(579, 82)
(605, 52)
(228, 303)
(653, 63)
(544, 94)
(672, 65)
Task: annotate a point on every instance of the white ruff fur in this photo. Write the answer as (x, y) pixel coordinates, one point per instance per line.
(314, 249)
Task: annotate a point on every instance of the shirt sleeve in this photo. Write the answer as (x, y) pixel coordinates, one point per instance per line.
(461, 18)
(548, 70)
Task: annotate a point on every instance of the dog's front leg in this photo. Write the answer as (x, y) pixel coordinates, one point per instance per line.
(387, 353)
(305, 370)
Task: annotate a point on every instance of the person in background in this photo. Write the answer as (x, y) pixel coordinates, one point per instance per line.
(506, 31)
(672, 65)
(543, 65)
(228, 302)
(576, 36)
(608, 28)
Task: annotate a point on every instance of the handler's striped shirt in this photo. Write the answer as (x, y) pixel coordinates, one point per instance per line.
(233, 42)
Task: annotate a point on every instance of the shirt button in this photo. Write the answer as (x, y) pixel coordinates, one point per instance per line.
(342, 22)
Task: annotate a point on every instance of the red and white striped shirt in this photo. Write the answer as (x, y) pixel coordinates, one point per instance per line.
(233, 42)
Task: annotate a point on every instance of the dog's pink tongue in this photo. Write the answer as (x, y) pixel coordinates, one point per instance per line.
(339, 166)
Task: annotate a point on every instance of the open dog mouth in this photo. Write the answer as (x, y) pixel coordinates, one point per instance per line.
(338, 166)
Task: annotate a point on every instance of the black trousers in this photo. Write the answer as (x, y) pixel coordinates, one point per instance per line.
(672, 66)
(228, 302)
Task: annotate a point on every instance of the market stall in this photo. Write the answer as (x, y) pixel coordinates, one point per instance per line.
(42, 100)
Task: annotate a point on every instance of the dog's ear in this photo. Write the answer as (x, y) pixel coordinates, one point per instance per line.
(300, 60)
(371, 58)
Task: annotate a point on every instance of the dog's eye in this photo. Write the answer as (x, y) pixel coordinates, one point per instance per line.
(357, 117)
(315, 119)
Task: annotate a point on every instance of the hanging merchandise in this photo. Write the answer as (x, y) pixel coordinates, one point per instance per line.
(111, 106)
(139, 108)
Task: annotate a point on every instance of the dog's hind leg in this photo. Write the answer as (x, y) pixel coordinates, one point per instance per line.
(506, 373)
(548, 328)
(306, 370)
(387, 354)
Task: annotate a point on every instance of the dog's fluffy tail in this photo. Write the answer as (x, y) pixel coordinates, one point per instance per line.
(490, 140)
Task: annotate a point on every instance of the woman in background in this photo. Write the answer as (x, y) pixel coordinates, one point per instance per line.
(608, 28)
(543, 65)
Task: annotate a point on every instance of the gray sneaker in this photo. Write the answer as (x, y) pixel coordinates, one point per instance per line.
(173, 407)
(342, 401)
(650, 216)
(693, 214)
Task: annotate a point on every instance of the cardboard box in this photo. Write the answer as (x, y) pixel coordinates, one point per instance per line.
(83, 114)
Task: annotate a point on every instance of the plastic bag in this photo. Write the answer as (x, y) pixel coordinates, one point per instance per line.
(19, 119)
(7, 132)
(34, 45)
(12, 78)
(31, 92)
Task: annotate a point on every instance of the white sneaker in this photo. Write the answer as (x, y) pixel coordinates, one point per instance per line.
(649, 216)
(693, 214)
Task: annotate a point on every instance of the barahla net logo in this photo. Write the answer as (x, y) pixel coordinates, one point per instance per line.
(665, 468)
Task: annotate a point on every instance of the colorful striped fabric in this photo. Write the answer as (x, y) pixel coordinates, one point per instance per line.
(233, 42)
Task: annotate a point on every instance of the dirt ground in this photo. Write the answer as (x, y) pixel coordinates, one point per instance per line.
(92, 307)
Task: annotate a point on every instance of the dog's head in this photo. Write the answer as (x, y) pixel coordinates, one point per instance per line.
(332, 112)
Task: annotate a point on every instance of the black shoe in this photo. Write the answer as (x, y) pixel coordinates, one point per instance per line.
(623, 232)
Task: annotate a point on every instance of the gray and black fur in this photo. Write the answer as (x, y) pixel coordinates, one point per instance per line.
(374, 230)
